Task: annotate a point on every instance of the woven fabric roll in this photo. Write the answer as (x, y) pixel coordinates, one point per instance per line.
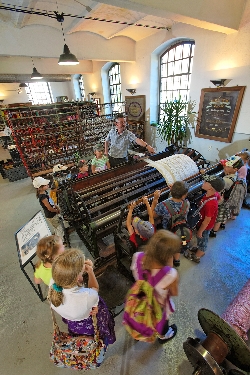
(175, 168)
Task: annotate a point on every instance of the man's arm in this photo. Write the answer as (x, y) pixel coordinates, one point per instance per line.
(106, 147)
(142, 143)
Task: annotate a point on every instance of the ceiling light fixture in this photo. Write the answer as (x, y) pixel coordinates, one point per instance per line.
(132, 91)
(66, 58)
(35, 74)
(219, 82)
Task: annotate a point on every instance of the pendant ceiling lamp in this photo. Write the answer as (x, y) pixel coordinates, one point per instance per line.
(66, 58)
(35, 74)
(23, 85)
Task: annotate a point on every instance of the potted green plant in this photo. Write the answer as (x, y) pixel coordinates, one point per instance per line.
(175, 119)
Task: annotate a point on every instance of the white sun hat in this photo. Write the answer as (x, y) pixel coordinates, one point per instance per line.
(40, 181)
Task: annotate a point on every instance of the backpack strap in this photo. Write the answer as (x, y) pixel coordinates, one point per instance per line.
(172, 212)
(153, 280)
(157, 278)
(202, 205)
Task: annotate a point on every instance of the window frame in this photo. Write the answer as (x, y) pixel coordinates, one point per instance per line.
(189, 72)
(112, 85)
(32, 96)
(81, 87)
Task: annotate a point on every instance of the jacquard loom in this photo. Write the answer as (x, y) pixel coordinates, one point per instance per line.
(97, 205)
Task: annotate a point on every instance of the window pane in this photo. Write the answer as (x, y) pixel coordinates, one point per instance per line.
(175, 72)
(115, 83)
(39, 93)
(82, 88)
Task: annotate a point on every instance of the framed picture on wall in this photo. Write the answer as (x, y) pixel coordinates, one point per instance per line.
(135, 107)
(218, 112)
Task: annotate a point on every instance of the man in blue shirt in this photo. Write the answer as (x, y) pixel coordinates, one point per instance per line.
(118, 141)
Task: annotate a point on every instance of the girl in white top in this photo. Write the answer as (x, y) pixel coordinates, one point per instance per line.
(159, 253)
(75, 302)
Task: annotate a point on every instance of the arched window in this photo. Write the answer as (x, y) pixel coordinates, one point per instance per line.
(39, 93)
(175, 71)
(81, 86)
(115, 88)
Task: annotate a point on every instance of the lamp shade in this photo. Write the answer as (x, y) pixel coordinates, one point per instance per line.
(36, 74)
(67, 58)
(218, 82)
(132, 91)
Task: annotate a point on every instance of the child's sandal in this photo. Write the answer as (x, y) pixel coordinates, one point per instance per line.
(176, 262)
(223, 226)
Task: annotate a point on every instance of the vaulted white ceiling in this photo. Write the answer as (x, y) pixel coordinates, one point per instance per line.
(73, 22)
(222, 15)
(107, 30)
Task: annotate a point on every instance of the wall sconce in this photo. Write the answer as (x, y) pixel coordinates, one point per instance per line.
(35, 74)
(132, 91)
(218, 82)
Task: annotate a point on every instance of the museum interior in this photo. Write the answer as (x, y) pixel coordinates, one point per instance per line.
(178, 73)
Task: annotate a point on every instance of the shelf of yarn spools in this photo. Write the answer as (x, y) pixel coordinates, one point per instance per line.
(47, 171)
(49, 125)
(26, 137)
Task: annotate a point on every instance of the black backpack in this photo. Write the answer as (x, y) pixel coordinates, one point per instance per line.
(178, 222)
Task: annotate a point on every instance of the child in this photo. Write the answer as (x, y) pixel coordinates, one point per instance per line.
(179, 191)
(212, 185)
(100, 162)
(55, 183)
(158, 253)
(230, 208)
(51, 210)
(83, 169)
(48, 248)
(76, 303)
(139, 230)
(243, 172)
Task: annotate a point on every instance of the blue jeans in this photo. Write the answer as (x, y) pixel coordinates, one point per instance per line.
(202, 242)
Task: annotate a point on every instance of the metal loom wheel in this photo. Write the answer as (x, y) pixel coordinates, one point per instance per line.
(238, 351)
(200, 358)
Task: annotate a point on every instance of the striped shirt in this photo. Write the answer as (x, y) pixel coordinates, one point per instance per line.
(100, 164)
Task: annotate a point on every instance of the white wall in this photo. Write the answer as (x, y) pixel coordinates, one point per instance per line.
(47, 42)
(216, 56)
(62, 89)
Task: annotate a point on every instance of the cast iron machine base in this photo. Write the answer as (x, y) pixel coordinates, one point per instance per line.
(222, 342)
